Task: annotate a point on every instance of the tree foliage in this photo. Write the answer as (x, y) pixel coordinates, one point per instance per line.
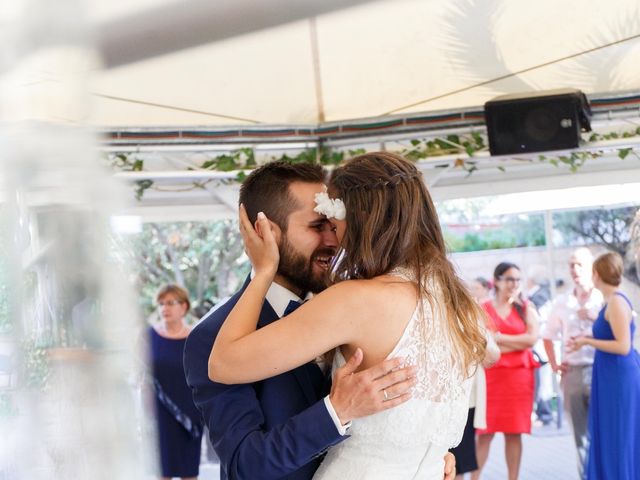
(611, 228)
(512, 232)
(207, 258)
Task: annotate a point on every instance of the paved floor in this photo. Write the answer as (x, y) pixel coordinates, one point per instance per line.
(548, 454)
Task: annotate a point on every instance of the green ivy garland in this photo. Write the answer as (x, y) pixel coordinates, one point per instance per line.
(243, 159)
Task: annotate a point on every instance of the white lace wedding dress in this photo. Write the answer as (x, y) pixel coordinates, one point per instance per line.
(411, 440)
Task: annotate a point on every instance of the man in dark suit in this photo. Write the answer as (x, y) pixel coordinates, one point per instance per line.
(280, 427)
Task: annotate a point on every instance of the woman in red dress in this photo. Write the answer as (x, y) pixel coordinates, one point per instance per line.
(510, 380)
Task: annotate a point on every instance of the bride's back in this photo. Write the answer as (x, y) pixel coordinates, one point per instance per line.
(409, 441)
(387, 304)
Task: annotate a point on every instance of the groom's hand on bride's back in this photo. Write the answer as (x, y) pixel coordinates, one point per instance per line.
(359, 394)
(449, 466)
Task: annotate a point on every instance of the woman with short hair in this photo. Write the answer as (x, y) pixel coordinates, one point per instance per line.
(178, 423)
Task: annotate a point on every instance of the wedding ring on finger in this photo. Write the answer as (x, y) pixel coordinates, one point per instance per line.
(386, 396)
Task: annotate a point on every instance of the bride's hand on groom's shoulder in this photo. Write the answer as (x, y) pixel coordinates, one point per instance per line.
(359, 394)
(260, 242)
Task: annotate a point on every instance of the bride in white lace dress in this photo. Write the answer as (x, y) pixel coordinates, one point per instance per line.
(398, 296)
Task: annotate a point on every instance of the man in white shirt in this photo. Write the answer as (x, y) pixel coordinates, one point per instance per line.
(572, 314)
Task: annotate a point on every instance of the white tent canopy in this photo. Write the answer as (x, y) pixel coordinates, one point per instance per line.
(369, 60)
(175, 70)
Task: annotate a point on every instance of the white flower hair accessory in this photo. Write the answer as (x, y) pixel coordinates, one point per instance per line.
(330, 207)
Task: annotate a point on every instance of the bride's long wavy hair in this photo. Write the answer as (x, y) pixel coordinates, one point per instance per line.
(392, 222)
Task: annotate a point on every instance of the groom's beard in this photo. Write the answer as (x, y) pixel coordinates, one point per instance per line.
(300, 271)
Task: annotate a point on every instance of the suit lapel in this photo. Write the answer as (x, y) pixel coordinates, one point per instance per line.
(267, 315)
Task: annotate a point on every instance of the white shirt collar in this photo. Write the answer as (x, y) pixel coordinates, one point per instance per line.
(279, 297)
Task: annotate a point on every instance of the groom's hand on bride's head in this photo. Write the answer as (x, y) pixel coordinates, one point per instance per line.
(359, 394)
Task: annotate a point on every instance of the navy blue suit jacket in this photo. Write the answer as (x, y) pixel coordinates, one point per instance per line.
(277, 428)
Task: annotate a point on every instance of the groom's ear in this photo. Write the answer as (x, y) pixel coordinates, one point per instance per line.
(277, 232)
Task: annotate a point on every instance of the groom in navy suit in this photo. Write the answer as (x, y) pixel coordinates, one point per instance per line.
(279, 428)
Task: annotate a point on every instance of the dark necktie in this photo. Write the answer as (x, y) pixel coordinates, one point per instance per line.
(291, 307)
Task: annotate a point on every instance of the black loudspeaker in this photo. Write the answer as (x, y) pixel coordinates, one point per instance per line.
(535, 122)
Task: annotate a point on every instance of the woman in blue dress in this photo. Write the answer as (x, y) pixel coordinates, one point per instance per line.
(179, 425)
(614, 411)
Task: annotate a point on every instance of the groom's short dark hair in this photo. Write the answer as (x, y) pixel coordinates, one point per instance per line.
(266, 189)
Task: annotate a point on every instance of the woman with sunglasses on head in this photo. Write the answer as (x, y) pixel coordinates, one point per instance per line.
(178, 423)
(510, 382)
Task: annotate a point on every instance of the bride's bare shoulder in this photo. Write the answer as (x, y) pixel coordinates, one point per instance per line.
(348, 288)
(368, 293)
